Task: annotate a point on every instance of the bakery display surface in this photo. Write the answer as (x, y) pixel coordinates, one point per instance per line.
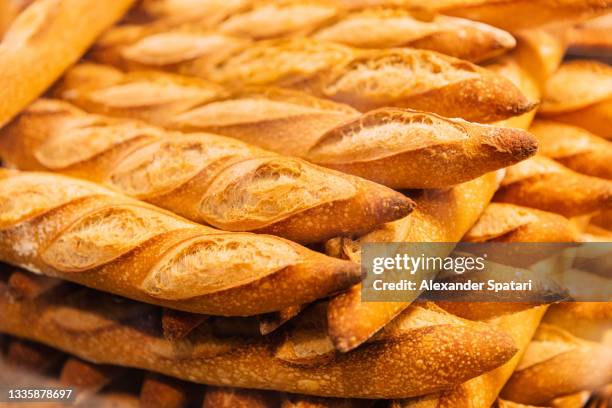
(190, 191)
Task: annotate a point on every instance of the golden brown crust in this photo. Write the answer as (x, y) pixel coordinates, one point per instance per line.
(413, 357)
(364, 79)
(542, 183)
(85, 233)
(574, 147)
(556, 364)
(481, 392)
(423, 149)
(441, 216)
(54, 31)
(203, 177)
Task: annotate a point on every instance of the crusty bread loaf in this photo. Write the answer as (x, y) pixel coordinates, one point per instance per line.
(588, 320)
(393, 28)
(440, 216)
(42, 41)
(82, 232)
(364, 79)
(425, 350)
(556, 364)
(481, 392)
(422, 149)
(203, 177)
(542, 183)
(574, 147)
(508, 14)
(580, 94)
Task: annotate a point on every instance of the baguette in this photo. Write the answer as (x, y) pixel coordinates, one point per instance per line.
(54, 31)
(481, 392)
(434, 152)
(364, 79)
(81, 232)
(542, 183)
(588, 320)
(203, 177)
(574, 147)
(424, 150)
(456, 37)
(556, 364)
(441, 216)
(580, 94)
(413, 357)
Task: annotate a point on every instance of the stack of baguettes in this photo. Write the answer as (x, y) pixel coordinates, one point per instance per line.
(162, 193)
